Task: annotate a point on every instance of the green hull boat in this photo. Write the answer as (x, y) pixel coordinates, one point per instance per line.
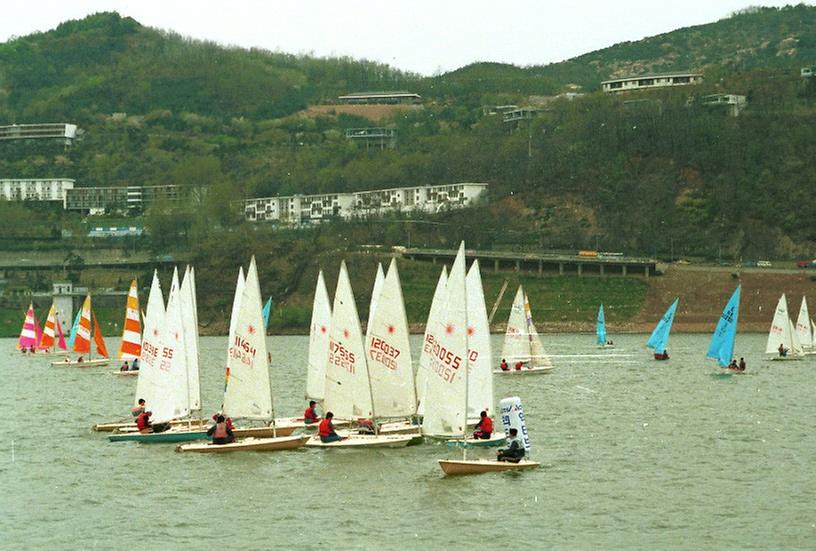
(160, 437)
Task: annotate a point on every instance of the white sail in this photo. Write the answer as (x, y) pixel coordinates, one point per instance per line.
(803, 328)
(480, 356)
(437, 303)
(190, 315)
(318, 341)
(147, 383)
(375, 296)
(236, 302)
(389, 352)
(347, 392)
(446, 343)
(516, 339)
(538, 356)
(248, 392)
(782, 332)
(173, 399)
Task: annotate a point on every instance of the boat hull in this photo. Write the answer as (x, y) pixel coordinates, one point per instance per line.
(364, 441)
(125, 373)
(263, 432)
(159, 437)
(496, 439)
(786, 358)
(110, 427)
(539, 370)
(463, 467)
(86, 363)
(247, 444)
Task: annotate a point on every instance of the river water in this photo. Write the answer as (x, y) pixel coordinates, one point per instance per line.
(635, 454)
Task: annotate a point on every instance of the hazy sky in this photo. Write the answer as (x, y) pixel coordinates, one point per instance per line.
(424, 36)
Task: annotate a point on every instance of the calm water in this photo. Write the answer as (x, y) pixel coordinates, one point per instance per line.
(635, 453)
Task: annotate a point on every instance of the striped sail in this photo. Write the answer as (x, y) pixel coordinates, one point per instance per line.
(28, 335)
(82, 339)
(131, 346)
(49, 330)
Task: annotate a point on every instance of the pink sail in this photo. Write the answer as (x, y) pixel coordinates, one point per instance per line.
(60, 337)
(28, 336)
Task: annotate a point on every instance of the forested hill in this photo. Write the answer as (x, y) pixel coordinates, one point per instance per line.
(651, 172)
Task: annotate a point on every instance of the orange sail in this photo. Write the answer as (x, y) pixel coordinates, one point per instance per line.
(100, 342)
(47, 339)
(82, 342)
(131, 345)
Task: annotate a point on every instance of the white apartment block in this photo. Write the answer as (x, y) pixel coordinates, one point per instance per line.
(36, 189)
(308, 209)
(648, 82)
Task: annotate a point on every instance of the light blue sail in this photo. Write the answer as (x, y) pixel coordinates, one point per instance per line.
(722, 341)
(267, 309)
(600, 327)
(74, 328)
(660, 336)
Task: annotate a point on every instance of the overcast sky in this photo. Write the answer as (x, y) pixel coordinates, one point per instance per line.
(423, 36)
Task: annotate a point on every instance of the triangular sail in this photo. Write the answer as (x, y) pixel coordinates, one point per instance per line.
(74, 328)
(538, 356)
(147, 386)
(782, 331)
(722, 341)
(267, 311)
(82, 340)
(318, 341)
(49, 329)
(249, 393)
(389, 352)
(131, 345)
(101, 349)
(375, 295)
(60, 336)
(659, 339)
(37, 329)
(803, 328)
(425, 355)
(480, 355)
(28, 334)
(190, 315)
(516, 346)
(347, 393)
(173, 399)
(446, 341)
(600, 327)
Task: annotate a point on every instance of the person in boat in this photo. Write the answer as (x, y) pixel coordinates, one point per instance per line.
(227, 420)
(326, 429)
(135, 365)
(31, 350)
(310, 416)
(365, 426)
(733, 365)
(663, 356)
(742, 364)
(514, 450)
(80, 360)
(143, 422)
(221, 432)
(504, 366)
(125, 367)
(518, 365)
(138, 408)
(484, 428)
(610, 343)
(782, 350)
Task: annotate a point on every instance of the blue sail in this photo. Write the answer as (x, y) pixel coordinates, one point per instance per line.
(660, 336)
(267, 309)
(600, 327)
(722, 341)
(74, 328)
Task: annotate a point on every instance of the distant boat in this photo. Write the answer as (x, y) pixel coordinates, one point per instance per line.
(804, 329)
(28, 334)
(725, 334)
(600, 330)
(783, 340)
(521, 340)
(267, 310)
(51, 335)
(131, 345)
(85, 332)
(659, 338)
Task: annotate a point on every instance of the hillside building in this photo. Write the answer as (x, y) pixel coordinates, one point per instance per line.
(380, 98)
(733, 103)
(649, 82)
(61, 131)
(376, 137)
(36, 189)
(95, 200)
(297, 210)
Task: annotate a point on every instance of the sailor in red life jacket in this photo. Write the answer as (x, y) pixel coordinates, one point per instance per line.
(504, 366)
(484, 428)
(326, 430)
(518, 365)
(228, 421)
(143, 422)
(310, 416)
(137, 409)
(220, 431)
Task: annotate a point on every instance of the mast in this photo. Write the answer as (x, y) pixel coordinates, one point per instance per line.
(467, 369)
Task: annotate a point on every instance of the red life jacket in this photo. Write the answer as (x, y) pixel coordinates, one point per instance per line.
(136, 410)
(504, 366)
(487, 425)
(220, 431)
(310, 414)
(325, 428)
(142, 421)
(518, 366)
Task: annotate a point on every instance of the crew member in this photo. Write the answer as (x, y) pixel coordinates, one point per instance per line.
(143, 422)
(227, 420)
(310, 416)
(135, 366)
(221, 433)
(125, 367)
(484, 428)
(782, 350)
(138, 408)
(514, 450)
(742, 364)
(518, 365)
(326, 429)
(504, 366)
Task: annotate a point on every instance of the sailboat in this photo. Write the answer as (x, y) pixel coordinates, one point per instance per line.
(659, 338)
(349, 390)
(454, 358)
(52, 336)
(521, 340)
(512, 415)
(722, 341)
(164, 381)
(318, 341)
(248, 391)
(131, 346)
(600, 330)
(782, 334)
(426, 355)
(804, 329)
(29, 332)
(82, 340)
